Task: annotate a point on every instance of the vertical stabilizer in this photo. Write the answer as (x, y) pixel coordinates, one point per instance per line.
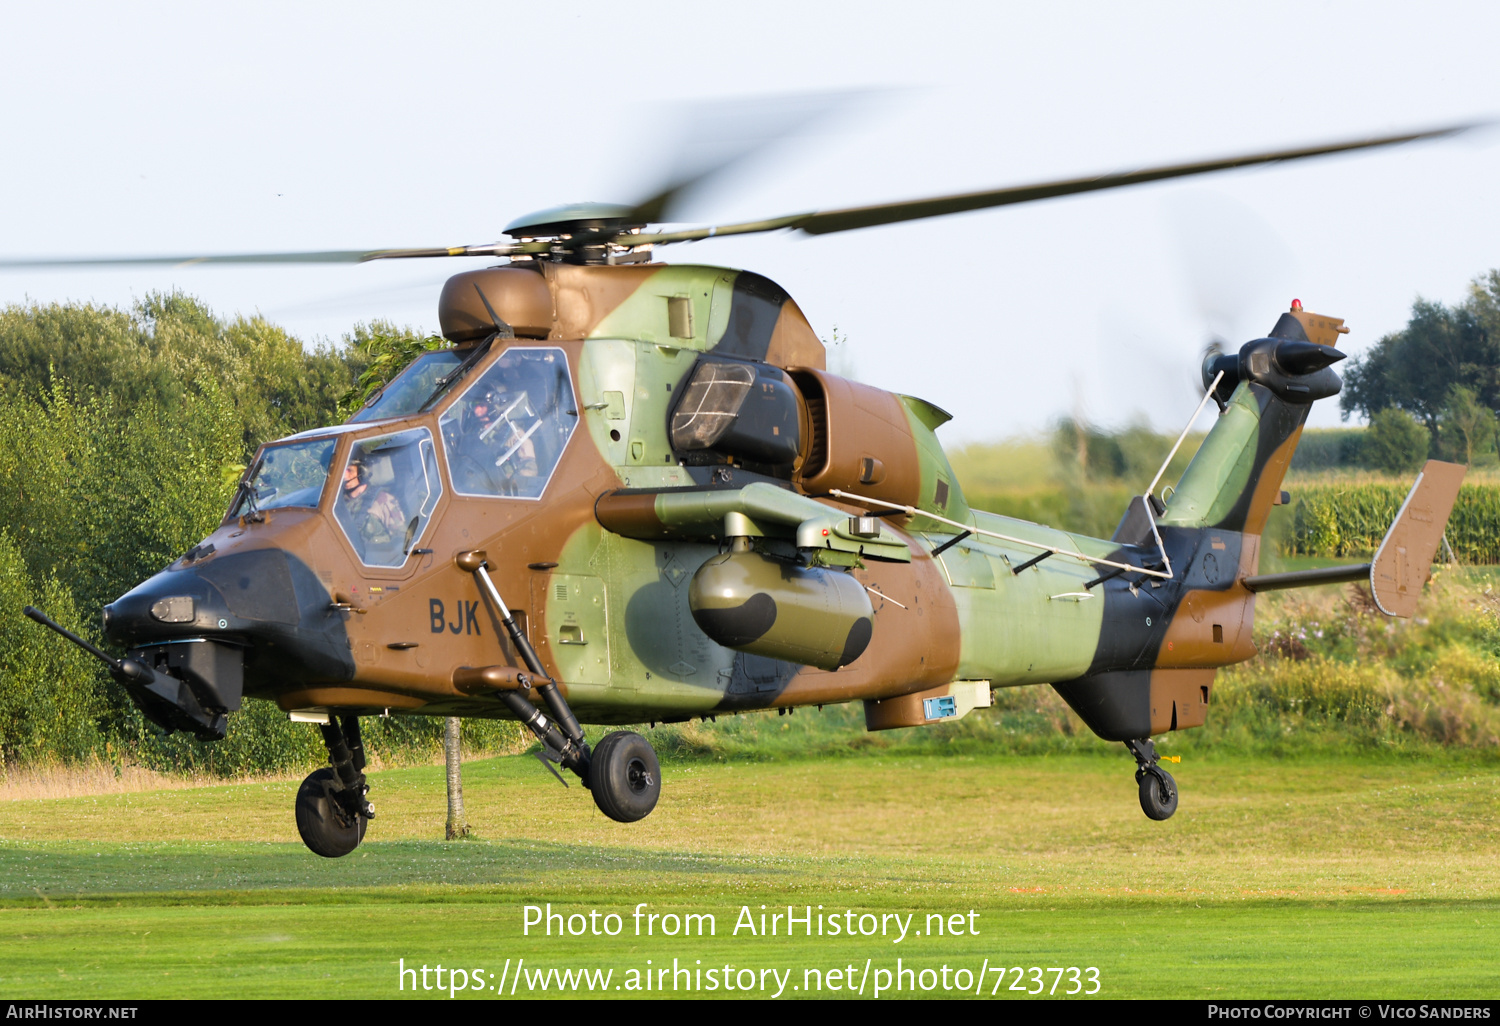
(1267, 389)
(1403, 563)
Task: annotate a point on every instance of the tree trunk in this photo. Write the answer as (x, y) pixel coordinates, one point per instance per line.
(458, 826)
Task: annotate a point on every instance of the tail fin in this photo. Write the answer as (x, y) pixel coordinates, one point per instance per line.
(1403, 563)
(1266, 391)
(1404, 560)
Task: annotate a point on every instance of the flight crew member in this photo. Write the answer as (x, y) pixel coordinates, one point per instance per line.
(374, 518)
(511, 436)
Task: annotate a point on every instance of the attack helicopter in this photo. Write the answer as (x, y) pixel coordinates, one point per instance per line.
(631, 491)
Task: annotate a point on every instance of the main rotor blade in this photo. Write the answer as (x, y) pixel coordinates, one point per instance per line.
(721, 135)
(345, 256)
(827, 221)
(812, 222)
(912, 210)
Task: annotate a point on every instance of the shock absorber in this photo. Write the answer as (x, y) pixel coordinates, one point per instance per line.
(565, 736)
(346, 752)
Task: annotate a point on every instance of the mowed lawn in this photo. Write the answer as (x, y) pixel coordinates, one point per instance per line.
(1327, 878)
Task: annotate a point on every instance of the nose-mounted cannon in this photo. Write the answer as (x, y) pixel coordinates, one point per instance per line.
(191, 686)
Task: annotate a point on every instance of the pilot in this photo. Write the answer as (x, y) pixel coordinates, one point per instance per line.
(504, 426)
(373, 517)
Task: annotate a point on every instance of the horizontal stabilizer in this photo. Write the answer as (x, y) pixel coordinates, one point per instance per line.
(1308, 578)
(1403, 563)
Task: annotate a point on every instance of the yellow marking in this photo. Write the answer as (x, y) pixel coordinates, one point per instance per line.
(1171, 758)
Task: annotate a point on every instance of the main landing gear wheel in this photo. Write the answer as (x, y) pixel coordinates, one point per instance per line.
(624, 776)
(1158, 793)
(325, 825)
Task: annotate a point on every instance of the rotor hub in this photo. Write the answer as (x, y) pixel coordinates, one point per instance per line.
(570, 227)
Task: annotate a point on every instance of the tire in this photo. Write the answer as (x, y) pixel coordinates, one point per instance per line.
(1158, 794)
(326, 828)
(625, 777)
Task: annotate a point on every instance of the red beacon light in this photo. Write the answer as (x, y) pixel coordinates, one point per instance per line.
(1296, 305)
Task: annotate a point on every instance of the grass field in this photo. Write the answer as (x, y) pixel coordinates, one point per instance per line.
(1337, 837)
(1318, 877)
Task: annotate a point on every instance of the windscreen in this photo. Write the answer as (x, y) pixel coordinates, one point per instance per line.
(709, 404)
(413, 387)
(286, 475)
(740, 410)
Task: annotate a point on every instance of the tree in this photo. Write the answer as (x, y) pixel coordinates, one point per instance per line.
(122, 437)
(1396, 443)
(122, 434)
(1484, 300)
(458, 824)
(385, 351)
(1441, 347)
(1468, 426)
(170, 349)
(51, 695)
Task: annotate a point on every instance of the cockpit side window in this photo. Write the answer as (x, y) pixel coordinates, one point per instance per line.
(387, 492)
(507, 432)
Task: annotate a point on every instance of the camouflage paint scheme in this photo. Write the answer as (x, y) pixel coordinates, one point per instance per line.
(601, 568)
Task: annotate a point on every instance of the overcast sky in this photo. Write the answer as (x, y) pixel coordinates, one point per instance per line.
(143, 129)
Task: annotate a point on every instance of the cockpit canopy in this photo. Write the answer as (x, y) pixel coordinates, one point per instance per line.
(388, 490)
(506, 433)
(417, 387)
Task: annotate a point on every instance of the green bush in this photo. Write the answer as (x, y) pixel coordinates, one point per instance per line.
(50, 698)
(1329, 449)
(1395, 442)
(122, 435)
(261, 740)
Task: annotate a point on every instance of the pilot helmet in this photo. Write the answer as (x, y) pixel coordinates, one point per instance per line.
(487, 400)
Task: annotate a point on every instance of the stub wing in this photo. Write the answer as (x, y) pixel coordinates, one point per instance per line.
(757, 510)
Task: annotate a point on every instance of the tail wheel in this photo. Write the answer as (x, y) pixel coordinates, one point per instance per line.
(624, 776)
(326, 827)
(1158, 793)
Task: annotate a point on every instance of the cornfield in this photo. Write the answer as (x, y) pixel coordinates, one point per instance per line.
(1351, 520)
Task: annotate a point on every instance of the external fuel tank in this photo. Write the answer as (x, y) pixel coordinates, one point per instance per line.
(809, 615)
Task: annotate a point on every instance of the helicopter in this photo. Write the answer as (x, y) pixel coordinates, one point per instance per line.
(631, 491)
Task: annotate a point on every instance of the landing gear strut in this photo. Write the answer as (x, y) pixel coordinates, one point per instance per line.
(332, 812)
(622, 773)
(1158, 789)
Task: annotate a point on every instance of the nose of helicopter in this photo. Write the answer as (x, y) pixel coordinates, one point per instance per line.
(260, 616)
